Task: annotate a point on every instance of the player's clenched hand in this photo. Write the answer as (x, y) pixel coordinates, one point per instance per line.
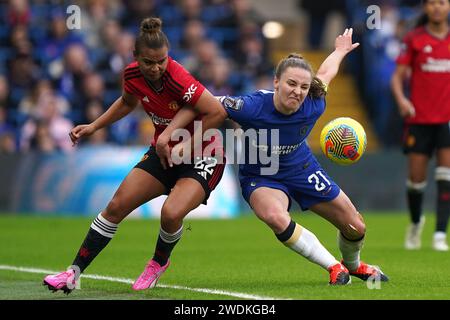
(79, 131)
(344, 41)
(406, 108)
(178, 151)
(163, 151)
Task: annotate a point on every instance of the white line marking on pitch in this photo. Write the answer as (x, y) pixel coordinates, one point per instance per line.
(130, 281)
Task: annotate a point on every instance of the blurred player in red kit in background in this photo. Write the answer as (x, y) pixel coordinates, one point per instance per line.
(425, 57)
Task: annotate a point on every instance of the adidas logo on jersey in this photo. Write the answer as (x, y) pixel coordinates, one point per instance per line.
(428, 49)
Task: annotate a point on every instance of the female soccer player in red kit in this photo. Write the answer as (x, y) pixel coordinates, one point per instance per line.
(426, 57)
(162, 86)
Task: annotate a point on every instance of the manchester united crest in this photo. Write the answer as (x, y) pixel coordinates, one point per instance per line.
(410, 141)
(173, 106)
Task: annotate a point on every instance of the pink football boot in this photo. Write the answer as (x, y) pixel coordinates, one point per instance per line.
(64, 281)
(150, 276)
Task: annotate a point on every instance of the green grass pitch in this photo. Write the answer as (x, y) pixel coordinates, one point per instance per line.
(241, 256)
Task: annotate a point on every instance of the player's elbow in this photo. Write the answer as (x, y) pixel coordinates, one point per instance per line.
(325, 77)
(221, 114)
(211, 109)
(216, 116)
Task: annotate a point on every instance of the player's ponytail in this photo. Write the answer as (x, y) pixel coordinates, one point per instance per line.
(295, 56)
(150, 25)
(318, 88)
(295, 60)
(151, 36)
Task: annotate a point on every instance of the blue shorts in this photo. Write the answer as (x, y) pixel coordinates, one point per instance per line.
(307, 187)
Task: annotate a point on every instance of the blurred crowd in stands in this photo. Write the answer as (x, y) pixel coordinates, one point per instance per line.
(52, 78)
(373, 62)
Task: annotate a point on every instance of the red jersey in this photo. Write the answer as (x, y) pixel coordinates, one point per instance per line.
(178, 88)
(429, 59)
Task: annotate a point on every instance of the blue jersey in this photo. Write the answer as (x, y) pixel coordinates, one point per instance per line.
(299, 174)
(257, 111)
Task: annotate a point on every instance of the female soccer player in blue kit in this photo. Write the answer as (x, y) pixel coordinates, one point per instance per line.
(293, 108)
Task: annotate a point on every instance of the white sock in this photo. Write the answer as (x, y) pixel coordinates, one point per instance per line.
(440, 235)
(104, 227)
(350, 251)
(170, 237)
(306, 243)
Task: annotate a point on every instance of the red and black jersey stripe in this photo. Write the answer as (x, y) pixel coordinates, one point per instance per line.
(132, 87)
(130, 69)
(171, 89)
(216, 176)
(174, 84)
(131, 73)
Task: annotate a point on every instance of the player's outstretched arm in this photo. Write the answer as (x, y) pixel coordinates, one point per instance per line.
(119, 109)
(330, 66)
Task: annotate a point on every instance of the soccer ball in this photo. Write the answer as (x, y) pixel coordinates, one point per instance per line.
(343, 140)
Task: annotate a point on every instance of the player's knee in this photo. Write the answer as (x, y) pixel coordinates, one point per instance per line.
(355, 229)
(273, 216)
(171, 213)
(115, 211)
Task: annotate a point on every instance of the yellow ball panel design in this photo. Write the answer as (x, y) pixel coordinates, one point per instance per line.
(343, 140)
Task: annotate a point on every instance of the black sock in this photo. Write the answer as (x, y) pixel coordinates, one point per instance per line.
(98, 236)
(415, 204)
(443, 205)
(286, 234)
(352, 240)
(165, 244)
